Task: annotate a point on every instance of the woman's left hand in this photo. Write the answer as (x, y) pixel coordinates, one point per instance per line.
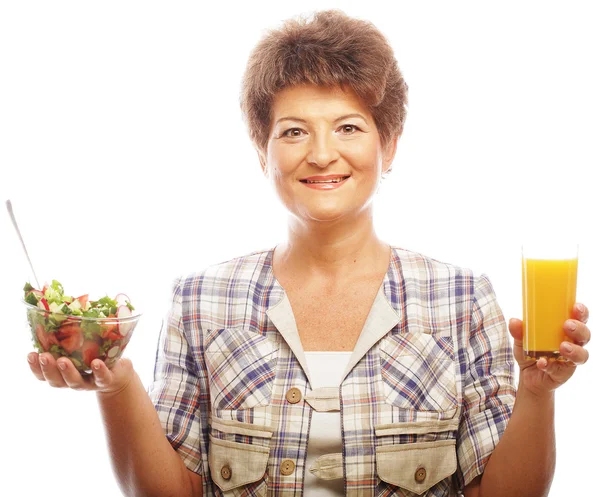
(543, 376)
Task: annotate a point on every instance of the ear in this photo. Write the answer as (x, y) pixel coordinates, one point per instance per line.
(389, 153)
(263, 162)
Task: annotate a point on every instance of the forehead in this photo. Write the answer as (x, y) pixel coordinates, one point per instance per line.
(317, 102)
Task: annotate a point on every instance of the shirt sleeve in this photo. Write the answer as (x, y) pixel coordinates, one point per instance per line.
(488, 392)
(176, 389)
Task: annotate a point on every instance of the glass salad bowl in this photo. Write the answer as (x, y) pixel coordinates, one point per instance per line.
(59, 330)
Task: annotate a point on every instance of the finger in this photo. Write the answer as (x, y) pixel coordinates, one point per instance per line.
(515, 326)
(574, 353)
(34, 365)
(577, 331)
(581, 312)
(557, 371)
(547, 365)
(542, 364)
(50, 371)
(71, 376)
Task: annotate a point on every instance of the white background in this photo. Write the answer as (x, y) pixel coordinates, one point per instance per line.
(124, 153)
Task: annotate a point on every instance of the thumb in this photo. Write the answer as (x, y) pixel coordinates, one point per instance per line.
(113, 380)
(102, 375)
(515, 326)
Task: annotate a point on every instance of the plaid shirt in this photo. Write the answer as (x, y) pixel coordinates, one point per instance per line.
(427, 393)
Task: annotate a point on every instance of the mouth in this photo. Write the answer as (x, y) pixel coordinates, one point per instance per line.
(324, 180)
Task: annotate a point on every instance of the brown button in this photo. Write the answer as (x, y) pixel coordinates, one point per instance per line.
(420, 475)
(287, 467)
(226, 472)
(293, 395)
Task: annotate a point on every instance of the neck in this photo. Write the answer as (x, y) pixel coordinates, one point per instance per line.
(339, 250)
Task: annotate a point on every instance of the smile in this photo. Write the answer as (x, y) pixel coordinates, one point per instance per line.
(327, 183)
(337, 179)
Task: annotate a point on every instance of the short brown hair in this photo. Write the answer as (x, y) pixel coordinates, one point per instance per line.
(330, 50)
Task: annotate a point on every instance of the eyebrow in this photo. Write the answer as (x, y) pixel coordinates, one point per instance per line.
(341, 118)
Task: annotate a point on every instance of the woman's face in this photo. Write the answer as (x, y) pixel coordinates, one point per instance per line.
(324, 155)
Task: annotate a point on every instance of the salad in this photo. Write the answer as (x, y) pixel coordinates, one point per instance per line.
(77, 327)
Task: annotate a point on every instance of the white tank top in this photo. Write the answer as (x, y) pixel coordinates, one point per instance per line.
(325, 436)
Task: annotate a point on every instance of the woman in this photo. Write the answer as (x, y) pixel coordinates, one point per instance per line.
(332, 364)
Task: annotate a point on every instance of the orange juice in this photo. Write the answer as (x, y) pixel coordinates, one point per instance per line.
(548, 299)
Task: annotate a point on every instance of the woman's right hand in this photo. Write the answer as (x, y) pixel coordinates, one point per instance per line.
(61, 373)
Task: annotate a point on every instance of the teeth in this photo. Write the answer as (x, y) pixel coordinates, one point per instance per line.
(337, 180)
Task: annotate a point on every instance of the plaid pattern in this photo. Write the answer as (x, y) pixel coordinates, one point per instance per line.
(432, 368)
(232, 354)
(432, 385)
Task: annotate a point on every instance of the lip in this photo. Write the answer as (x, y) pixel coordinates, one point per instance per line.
(325, 186)
(324, 178)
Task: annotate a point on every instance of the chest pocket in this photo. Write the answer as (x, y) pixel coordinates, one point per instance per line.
(241, 367)
(417, 467)
(238, 469)
(418, 373)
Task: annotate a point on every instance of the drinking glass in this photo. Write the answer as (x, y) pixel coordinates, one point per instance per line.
(549, 275)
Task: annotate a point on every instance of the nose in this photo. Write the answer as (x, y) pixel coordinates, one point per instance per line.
(323, 150)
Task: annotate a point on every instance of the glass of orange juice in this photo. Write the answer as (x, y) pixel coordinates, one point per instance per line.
(549, 274)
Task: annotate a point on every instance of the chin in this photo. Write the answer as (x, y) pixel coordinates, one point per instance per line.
(324, 219)
(323, 212)
(323, 215)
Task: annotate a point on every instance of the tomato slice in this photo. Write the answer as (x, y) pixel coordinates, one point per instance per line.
(68, 329)
(46, 339)
(70, 337)
(111, 332)
(114, 336)
(83, 300)
(89, 351)
(72, 343)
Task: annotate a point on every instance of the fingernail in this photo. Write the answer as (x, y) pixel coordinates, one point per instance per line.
(43, 361)
(568, 347)
(62, 366)
(96, 366)
(572, 325)
(580, 308)
(30, 358)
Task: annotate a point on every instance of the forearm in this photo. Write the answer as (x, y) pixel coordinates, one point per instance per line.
(143, 460)
(524, 460)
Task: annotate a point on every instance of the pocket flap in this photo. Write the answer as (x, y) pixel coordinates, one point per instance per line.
(416, 427)
(233, 464)
(416, 466)
(240, 428)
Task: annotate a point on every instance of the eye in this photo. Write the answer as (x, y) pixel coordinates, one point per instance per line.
(348, 129)
(292, 132)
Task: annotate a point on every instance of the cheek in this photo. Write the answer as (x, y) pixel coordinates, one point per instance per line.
(366, 165)
(277, 177)
(365, 157)
(282, 165)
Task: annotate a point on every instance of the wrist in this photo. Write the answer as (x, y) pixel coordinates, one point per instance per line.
(536, 396)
